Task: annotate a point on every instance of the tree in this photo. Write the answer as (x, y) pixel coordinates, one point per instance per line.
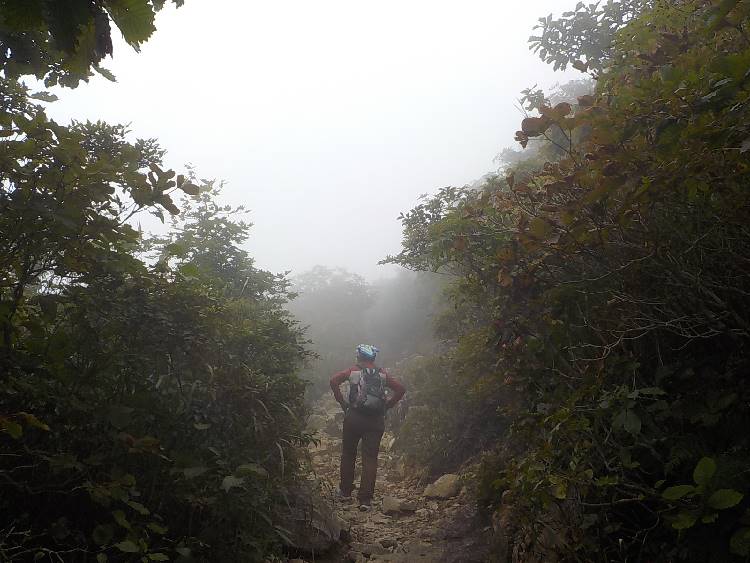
(333, 305)
(63, 41)
(148, 408)
(611, 280)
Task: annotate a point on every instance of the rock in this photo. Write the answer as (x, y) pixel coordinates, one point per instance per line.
(368, 548)
(408, 506)
(446, 487)
(354, 557)
(392, 505)
(418, 549)
(312, 525)
(387, 543)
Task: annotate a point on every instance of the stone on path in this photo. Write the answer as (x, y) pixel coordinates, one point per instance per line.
(393, 505)
(368, 548)
(446, 487)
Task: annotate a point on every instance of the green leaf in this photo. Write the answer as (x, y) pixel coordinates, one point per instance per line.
(105, 72)
(251, 469)
(652, 391)
(12, 428)
(119, 517)
(704, 470)
(684, 520)
(43, 96)
(192, 472)
(158, 557)
(710, 518)
(739, 544)
(157, 528)
(230, 481)
(560, 491)
(724, 498)
(540, 228)
(103, 534)
(135, 18)
(120, 416)
(127, 546)
(629, 421)
(101, 558)
(33, 421)
(138, 507)
(190, 188)
(677, 492)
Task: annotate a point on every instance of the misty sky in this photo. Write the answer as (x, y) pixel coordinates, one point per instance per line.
(326, 118)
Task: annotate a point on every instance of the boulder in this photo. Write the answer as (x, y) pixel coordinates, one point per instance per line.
(446, 487)
(312, 525)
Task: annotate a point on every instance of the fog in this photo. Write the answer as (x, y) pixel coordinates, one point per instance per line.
(326, 119)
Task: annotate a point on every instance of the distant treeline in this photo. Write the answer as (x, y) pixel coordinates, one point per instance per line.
(339, 310)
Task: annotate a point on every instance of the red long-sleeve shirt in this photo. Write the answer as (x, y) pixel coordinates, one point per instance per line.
(391, 382)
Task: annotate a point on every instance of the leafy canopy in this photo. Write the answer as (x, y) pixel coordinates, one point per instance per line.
(64, 41)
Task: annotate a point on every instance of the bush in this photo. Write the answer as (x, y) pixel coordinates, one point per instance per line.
(149, 408)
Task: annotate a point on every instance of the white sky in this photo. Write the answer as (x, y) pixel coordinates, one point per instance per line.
(326, 118)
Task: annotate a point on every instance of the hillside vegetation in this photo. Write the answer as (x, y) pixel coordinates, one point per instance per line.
(576, 342)
(149, 404)
(602, 288)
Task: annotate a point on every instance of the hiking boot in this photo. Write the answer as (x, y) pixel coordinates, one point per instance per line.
(365, 506)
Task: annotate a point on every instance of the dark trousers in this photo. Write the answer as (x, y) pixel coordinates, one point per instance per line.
(369, 429)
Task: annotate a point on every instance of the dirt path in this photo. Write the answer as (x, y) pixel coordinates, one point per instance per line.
(403, 524)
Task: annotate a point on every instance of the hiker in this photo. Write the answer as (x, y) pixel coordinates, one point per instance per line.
(364, 419)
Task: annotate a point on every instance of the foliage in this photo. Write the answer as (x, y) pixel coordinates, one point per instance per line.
(584, 37)
(612, 284)
(62, 41)
(148, 404)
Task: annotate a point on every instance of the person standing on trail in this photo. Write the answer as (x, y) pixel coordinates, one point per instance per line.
(364, 420)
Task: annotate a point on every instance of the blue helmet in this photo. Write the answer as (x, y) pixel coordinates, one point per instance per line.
(367, 351)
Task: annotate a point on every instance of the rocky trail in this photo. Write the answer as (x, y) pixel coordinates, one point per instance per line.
(410, 520)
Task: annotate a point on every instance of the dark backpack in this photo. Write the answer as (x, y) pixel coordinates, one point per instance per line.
(367, 391)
